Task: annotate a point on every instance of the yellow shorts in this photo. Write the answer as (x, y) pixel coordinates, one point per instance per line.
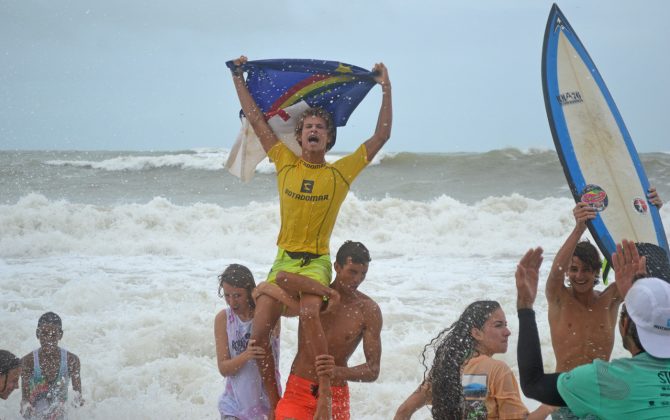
(318, 268)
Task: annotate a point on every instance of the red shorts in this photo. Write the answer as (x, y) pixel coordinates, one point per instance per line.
(299, 400)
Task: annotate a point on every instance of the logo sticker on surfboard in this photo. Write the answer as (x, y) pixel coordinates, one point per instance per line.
(595, 197)
(640, 205)
(569, 98)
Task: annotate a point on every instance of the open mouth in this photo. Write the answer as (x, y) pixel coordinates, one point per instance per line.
(313, 139)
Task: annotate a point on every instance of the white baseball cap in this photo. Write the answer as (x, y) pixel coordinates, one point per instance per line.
(648, 305)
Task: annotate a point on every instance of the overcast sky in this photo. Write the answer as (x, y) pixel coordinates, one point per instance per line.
(151, 75)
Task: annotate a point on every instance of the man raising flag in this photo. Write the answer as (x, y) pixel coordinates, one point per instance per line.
(311, 192)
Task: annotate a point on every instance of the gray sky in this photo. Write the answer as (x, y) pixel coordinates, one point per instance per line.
(151, 75)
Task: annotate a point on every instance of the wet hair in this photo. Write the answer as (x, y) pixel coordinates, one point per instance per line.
(357, 251)
(50, 318)
(588, 254)
(8, 362)
(321, 113)
(453, 347)
(240, 276)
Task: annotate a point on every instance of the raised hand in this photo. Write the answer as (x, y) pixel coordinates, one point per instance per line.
(239, 62)
(583, 213)
(653, 197)
(527, 277)
(382, 76)
(325, 365)
(253, 351)
(627, 265)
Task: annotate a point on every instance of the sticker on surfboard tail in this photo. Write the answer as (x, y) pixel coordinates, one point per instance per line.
(595, 197)
(640, 205)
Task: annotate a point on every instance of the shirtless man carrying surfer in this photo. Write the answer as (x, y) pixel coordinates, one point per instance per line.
(357, 317)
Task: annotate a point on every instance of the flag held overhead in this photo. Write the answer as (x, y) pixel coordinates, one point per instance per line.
(284, 88)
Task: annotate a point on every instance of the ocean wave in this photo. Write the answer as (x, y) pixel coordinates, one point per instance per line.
(206, 160)
(36, 226)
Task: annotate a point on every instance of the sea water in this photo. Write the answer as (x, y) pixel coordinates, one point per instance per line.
(126, 248)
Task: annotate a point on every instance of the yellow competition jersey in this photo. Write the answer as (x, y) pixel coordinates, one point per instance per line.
(310, 197)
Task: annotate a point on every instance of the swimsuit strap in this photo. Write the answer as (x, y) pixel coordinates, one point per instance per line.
(37, 371)
(63, 371)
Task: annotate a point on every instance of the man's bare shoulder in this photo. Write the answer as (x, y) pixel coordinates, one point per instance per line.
(367, 301)
(371, 309)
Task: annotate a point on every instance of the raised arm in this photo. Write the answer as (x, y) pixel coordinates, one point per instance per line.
(534, 382)
(385, 119)
(250, 108)
(230, 366)
(555, 282)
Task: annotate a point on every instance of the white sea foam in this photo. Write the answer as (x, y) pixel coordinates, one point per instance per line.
(142, 325)
(497, 226)
(136, 285)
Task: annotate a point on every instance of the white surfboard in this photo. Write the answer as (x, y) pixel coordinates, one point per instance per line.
(597, 153)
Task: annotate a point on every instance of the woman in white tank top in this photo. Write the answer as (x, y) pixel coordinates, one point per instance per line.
(243, 397)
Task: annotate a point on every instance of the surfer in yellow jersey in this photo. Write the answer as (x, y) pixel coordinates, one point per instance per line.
(311, 192)
(581, 320)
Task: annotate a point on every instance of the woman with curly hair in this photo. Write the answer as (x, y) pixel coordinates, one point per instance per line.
(465, 382)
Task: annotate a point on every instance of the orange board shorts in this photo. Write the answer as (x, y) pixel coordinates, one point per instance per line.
(299, 400)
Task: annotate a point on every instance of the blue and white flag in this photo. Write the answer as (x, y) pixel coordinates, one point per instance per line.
(284, 89)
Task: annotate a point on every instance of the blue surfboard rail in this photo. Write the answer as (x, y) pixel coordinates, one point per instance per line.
(557, 24)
